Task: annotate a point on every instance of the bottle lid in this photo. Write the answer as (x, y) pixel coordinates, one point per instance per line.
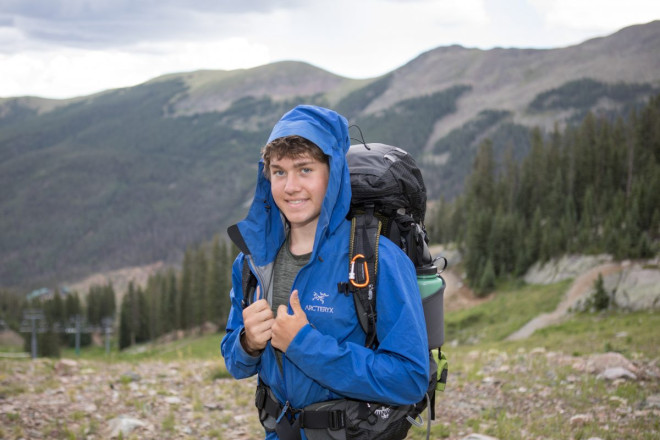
(429, 269)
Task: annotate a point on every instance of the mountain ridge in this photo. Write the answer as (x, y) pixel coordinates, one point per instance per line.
(130, 176)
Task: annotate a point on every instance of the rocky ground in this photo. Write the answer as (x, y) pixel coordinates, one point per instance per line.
(191, 399)
(95, 400)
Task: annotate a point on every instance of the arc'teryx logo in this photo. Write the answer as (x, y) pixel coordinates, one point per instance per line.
(383, 412)
(320, 297)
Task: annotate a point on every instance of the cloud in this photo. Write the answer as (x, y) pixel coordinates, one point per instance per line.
(110, 23)
(597, 15)
(64, 48)
(73, 72)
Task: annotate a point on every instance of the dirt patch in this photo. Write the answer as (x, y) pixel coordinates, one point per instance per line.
(459, 296)
(578, 289)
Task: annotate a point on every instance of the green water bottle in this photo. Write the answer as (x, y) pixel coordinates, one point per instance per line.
(432, 289)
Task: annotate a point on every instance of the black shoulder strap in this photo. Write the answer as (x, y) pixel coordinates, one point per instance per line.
(363, 271)
(249, 281)
(249, 284)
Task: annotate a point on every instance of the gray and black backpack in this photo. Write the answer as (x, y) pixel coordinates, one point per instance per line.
(389, 199)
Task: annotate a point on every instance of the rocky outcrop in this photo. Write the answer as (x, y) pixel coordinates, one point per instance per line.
(564, 268)
(631, 285)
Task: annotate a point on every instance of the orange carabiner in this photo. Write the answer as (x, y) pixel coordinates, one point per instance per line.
(351, 273)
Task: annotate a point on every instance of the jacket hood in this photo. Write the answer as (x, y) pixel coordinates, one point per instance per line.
(263, 229)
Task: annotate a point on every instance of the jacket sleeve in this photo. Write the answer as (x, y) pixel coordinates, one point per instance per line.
(238, 362)
(397, 372)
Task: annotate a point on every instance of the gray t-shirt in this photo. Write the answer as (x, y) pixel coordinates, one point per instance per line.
(285, 270)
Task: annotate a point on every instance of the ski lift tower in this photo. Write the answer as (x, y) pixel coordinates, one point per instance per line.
(106, 325)
(32, 317)
(76, 326)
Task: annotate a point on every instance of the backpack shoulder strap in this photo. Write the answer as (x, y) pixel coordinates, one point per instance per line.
(248, 280)
(249, 284)
(363, 271)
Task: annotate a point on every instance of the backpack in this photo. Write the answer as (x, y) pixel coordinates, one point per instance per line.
(389, 199)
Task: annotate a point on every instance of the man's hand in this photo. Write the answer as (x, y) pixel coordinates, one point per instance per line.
(286, 326)
(258, 320)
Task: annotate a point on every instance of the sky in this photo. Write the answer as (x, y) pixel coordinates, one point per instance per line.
(68, 48)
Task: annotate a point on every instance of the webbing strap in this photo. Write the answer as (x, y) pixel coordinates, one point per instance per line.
(332, 420)
(365, 236)
(288, 426)
(249, 284)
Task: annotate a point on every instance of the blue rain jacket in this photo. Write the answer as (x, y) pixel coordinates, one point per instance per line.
(327, 359)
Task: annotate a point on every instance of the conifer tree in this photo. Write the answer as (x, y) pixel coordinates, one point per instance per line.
(224, 302)
(108, 301)
(153, 299)
(173, 302)
(143, 323)
(93, 305)
(487, 281)
(198, 289)
(56, 309)
(213, 282)
(126, 334)
(186, 303)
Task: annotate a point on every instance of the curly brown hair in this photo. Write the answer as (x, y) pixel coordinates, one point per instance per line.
(292, 147)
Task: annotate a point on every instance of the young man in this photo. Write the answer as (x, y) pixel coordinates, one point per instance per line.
(299, 333)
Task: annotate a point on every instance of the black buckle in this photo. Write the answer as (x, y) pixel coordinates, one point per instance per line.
(336, 420)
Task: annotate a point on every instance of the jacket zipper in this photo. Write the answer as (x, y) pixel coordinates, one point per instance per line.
(261, 284)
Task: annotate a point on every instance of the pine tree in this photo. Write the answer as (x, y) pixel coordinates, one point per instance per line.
(225, 283)
(173, 302)
(487, 281)
(143, 323)
(133, 312)
(108, 301)
(153, 299)
(213, 280)
(93, 306)
(198, 290)
(186, 305)
(126, 335)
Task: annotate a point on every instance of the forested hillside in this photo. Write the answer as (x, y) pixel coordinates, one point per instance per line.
(134, 176)
(593, 188)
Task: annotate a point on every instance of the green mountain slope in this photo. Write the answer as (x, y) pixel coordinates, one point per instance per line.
(112, 181)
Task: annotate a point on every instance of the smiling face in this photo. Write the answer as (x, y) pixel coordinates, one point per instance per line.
(298, 185)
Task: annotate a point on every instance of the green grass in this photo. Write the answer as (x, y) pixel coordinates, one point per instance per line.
(205, 347)
(510, 309)
(629, 333)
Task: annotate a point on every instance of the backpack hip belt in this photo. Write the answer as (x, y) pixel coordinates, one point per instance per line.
(296, 419)
(333, 419)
